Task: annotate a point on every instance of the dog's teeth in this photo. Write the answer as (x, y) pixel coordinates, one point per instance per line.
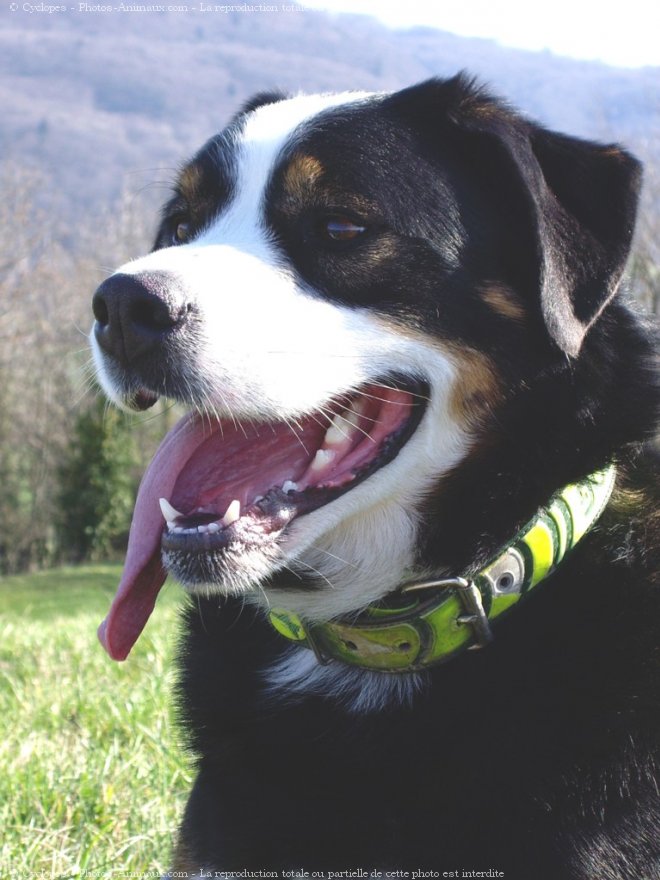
(213, 527)
(202, 529)
(289, 486)
(170, 513)
(232, 513)
(322, 459)
(344, 424)
(336, 433)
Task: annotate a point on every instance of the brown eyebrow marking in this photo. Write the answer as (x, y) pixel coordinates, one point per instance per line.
(189, 181)
(302, 174)
(503, 300)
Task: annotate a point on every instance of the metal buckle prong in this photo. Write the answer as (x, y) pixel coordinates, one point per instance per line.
(473, 606)
(322, 658)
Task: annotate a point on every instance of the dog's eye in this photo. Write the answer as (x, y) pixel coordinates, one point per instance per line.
(181, 233)
(339, 228)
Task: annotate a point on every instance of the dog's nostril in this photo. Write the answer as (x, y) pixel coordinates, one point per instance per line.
(100, 309)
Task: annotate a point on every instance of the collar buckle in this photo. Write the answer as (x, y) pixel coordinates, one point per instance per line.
(470, 598)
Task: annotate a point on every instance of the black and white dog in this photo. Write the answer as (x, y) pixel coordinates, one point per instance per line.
(416, 399)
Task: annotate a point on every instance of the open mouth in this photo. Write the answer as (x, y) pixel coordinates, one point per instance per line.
(217, 489)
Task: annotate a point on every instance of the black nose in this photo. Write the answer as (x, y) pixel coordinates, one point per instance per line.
(135, 314)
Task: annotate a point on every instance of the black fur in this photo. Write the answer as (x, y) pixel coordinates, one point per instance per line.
(539, 756)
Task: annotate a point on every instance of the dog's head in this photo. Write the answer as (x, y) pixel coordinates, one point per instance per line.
(342, 290)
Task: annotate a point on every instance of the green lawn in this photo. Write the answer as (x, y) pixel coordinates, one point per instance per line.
(92, 778)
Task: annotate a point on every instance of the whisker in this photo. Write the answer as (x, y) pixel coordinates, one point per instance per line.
(328, 417)
(357, 427)
(83, 333)
(293, 431)
(338, 558)
(243, 599)
(317, 572)
(87, 385)
(264, 594)
(235, 422)
(311, 568)
(205, 408)
(394, 388)
(144, 418)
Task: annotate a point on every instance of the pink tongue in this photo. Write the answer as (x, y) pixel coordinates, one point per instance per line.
(185, 469)
(143, 574)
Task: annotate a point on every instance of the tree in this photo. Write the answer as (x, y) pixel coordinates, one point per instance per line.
(97, 488)
(47, 276)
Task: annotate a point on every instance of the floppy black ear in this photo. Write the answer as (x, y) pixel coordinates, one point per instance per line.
(260, 100)
(578, 198)
(582, 201)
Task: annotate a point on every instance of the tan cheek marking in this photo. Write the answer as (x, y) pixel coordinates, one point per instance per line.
(503, 300)
(301, 176)
(477, 389)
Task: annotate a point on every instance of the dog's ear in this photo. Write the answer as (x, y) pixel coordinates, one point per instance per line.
(260, 100)
(583, 202)
(579, 199)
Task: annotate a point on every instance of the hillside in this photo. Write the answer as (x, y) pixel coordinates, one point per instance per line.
(108, 102)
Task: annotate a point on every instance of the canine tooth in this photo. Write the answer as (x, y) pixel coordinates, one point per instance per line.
(322, 459)
(169, 513)
(232, 513)
(289, 486)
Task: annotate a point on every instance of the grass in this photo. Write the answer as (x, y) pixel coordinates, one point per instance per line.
(92, 779)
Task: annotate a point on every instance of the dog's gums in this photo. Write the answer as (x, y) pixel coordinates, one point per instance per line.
(225, 484)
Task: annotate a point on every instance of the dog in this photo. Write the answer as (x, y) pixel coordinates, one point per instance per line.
(415, 500)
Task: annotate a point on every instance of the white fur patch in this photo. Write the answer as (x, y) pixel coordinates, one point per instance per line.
(357, 690)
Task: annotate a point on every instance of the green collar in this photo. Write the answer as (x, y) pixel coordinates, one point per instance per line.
(429, 628)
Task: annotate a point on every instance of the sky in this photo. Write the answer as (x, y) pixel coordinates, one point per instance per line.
(623, 33)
